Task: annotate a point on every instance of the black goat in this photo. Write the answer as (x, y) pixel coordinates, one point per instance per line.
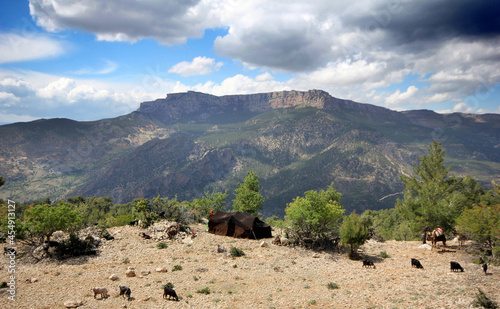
(125, 291)
(485, 268)
(368, 263)
(145, 236)
(455, 266)
(416, 263)
(170, 293)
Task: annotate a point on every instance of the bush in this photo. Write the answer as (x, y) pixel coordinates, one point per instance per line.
(74, 246)
(384, 255)
(177, 267)
(161, 245)
(332, 286)
(236, 252)
(169, 285)
(3, 285)
(205, 291)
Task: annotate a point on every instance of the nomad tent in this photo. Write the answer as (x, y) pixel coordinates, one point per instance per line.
(238, 225)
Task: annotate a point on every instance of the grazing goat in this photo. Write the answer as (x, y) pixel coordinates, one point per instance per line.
(416, 263)
(125, 291)
(455, 266)
(9, 251)
(145, 236)
(170, 293)
(100, 290)
(485, 268)
(108, 237)
(368, 263)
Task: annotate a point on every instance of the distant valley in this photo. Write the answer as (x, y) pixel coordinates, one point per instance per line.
(190, 143)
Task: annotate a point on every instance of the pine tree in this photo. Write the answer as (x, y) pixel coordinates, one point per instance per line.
(248, 199)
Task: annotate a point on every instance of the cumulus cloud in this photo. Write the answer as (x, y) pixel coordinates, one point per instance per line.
(199, 66)
(169, 22)
(398, 96)
(26, 100)
(17, 47)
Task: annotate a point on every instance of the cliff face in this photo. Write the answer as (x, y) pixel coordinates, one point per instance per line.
(190, 143)
(176, 106)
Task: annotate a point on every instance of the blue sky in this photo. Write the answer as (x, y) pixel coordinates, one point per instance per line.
(91, 59)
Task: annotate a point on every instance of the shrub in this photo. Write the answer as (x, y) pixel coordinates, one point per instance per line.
(125, 261)
(161, 245)
(74, 246)
(332, 286)
(236, 252)
(177, 267)
(205, 291)
(3, 285)
(384, 255)
(169, 285)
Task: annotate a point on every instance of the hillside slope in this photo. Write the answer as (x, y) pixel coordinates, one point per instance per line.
(190, 143)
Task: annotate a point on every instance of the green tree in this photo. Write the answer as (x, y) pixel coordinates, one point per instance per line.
(200, 208)
(317, 213)
(248, 199)
(481, 223)
(43, 220)
(432, 198)
(353, 232)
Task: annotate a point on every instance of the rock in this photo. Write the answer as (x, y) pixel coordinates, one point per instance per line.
(73, 304)
(425, 246)
(316, 255)
(145, 272)
(161, 269)
(130, 273)
(32, 280)
(114, 277)
(147, 298)
(263, 244)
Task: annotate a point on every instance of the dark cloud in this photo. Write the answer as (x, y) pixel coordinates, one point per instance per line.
(428, 20)
(289, 49)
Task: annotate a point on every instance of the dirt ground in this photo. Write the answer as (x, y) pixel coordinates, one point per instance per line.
(267, 276)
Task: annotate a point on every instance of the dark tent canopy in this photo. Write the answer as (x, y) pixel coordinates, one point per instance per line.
(238, 225)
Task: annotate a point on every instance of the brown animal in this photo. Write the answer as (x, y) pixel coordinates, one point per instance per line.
(100, 291)
(435, 236)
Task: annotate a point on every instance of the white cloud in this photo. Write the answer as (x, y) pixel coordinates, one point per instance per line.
(8, 99)
(18, 48)
(398, 97)
(199, 66)
(11, 118)
(169, 22)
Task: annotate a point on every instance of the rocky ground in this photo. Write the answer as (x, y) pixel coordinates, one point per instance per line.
(266, 277)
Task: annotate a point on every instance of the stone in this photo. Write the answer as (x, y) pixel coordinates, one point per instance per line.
(161, 269)
(114, 277)
(130, 273)
(73, 304)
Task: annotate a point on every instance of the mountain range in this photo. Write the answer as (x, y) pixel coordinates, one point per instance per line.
(190, 143)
